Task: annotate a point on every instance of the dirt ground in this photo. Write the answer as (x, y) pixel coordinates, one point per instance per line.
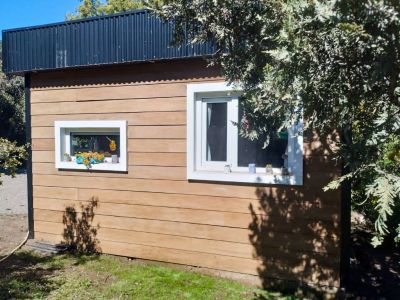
(13, 229)
(13, 212)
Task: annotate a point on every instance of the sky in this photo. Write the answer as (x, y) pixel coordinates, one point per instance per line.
(22, 13)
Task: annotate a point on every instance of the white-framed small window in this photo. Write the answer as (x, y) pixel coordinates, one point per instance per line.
(216, 151)
(94, 145)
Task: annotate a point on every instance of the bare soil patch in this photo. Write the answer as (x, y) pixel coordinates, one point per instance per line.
(13, 229)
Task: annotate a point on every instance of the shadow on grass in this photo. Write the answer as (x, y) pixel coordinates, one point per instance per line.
(27, 275)
(30, 275)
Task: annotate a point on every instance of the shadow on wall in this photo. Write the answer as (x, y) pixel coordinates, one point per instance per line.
(80, 236)
(295, 233)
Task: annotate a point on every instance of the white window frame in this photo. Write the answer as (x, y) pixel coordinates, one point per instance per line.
(197, 166)
(63, 129)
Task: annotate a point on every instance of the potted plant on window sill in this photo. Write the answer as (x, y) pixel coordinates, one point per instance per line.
(66, 157)
(89, 158)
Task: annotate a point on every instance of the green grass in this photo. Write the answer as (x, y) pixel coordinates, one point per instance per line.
(29, 275)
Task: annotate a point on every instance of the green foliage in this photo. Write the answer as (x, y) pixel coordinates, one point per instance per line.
(12, 129)
(11, 156)
(334, 63)
(115, 6)
(12, 116)
(91, 8)
(27, 275)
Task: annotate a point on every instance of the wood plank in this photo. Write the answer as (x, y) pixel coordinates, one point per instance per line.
(160, 240)
(157, 159)
(292, 238)
(139, 118)
(43, 144)
(108, 107)
(313, 209)
(138, 74)
(43, 156)
(239, 220)
(311, 165)
(157, 132)
(144, 172)
(102, 93)
(201, 231)
(62, 83)
(299, 267)
(270, 225)
(157, 145)
(56, 193)
(185, 187)
(134, 159)
(146, 186)
(42, 132)
(129, 74)
(295, 236)
(245, 250)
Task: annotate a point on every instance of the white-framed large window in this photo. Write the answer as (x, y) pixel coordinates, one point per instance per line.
(216, 151)
(94, 145)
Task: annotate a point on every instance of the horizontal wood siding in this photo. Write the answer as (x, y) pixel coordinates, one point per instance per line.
(152, 211)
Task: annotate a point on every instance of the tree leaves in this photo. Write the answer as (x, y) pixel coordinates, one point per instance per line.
(11, 156)
(92, 8)
(337, 63)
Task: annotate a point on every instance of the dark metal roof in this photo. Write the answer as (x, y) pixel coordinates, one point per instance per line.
(134, 36)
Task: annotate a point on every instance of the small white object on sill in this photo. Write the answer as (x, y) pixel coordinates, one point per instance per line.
(227, 169)
(252, 168)
(114, 159)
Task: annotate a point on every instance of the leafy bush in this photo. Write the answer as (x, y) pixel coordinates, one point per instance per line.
(11, 156)
(376, 194)
(12, 107)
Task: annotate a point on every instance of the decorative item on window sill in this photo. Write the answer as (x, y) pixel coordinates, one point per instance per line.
(252, 168)
(114, 159)
(285, 171)
(227, 169)
(268, 169)
(66, 157)
(112, 145)
(89, 158)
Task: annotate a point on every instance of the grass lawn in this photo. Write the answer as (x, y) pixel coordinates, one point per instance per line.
(29, 275)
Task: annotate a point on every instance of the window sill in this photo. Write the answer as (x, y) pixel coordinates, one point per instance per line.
(70, 165)
(258, 178)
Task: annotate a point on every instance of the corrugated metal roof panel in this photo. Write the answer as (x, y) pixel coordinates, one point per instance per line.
(114, 39)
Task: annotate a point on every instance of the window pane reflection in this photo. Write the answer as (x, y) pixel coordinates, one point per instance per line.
(216, 131)
(107, 144)
(253, 152)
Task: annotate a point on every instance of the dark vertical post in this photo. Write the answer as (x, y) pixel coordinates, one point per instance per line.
(345, 228)
(29, 160)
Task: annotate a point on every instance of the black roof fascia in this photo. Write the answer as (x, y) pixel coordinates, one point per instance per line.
(128, 37)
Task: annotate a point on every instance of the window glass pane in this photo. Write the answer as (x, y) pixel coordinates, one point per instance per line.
(108, 144)
(253, 152)
(216, 131)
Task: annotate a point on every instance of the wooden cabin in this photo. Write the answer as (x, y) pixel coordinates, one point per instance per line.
(135, 153)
